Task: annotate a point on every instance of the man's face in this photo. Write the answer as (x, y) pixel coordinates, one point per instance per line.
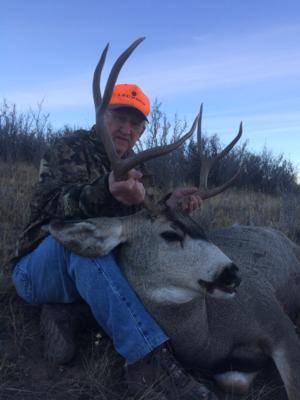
(125, 125)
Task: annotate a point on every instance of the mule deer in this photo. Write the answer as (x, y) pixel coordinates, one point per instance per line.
(188, 283)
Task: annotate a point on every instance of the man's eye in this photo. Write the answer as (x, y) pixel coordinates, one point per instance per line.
(172, 236)
(121, 119)
(135, 122)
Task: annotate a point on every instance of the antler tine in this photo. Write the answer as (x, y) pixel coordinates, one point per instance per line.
(230, 145)
(199, 131)
(116, 70)
(97, 77)
(214, 191)
(101, 103)
(207, 164)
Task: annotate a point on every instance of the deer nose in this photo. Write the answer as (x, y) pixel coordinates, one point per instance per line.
(229, 277)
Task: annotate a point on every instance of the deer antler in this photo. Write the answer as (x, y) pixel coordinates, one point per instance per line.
(120, 166)
(208, 163)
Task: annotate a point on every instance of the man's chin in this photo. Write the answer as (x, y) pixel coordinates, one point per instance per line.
(121, 146)
(121, 150)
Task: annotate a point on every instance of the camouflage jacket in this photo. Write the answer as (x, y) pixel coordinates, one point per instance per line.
(73, 184)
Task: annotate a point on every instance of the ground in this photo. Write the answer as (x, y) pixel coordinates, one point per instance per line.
(95, 373)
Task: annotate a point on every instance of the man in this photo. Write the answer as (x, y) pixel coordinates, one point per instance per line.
(76, 183)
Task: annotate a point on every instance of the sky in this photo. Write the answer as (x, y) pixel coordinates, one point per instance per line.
(240, 59)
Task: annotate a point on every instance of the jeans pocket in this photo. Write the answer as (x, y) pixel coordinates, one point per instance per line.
(22, 284)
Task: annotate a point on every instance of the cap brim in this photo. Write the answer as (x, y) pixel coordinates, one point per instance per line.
(117, 106)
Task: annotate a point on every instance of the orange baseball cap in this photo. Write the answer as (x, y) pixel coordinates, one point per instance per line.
(130, 95)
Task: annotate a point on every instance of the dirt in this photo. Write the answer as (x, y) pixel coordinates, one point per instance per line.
(95, 373)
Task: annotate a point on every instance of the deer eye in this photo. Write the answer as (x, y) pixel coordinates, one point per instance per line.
(172, 236)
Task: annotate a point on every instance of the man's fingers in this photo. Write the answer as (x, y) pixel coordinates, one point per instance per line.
(193, 203)
(134, 174)
(187, 198)
(198, 201)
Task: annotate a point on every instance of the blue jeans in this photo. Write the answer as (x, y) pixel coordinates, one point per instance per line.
(53, 274)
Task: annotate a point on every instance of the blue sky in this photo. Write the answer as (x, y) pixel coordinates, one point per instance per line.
(241, 59)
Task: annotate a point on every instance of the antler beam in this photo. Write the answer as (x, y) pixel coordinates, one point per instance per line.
(208, 163)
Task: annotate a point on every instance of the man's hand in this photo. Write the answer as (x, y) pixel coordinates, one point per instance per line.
(187, 199)
(130, 191)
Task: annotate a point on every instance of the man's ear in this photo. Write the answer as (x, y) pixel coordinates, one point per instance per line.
(89, 238)
(143, 129)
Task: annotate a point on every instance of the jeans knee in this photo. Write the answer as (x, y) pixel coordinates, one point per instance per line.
(23, 284)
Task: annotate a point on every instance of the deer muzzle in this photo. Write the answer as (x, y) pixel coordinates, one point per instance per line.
(225, 283)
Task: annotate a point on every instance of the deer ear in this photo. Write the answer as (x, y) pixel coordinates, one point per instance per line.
(89, 238)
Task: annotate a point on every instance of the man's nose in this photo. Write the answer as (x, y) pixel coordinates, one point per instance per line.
(126, 128)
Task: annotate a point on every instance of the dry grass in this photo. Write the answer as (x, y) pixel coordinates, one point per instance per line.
(249, 208)
(24, 374)
(252, 208)
(16, 182)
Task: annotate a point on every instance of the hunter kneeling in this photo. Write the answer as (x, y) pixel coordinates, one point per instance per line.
(77, 181)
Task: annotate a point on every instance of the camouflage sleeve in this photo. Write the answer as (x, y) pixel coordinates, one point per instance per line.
(65, 189)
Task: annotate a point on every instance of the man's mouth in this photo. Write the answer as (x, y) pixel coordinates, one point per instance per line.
(122, 139)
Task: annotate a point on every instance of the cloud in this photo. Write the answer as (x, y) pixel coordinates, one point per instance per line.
(207, 63)
(214, 63)
(71, 91)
